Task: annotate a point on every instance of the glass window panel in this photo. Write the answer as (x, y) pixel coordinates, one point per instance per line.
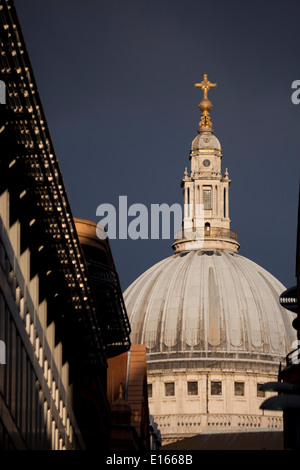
(169, 389)
(216, 388)
(192, 388)
(239, 389)
(207, 199)
(260, 393)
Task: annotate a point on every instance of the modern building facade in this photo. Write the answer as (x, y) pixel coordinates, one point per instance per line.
(131, 426)
(105, 287)
(61, 309)
(210, 318)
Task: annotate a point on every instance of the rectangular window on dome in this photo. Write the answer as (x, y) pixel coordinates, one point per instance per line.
(207, 199)
(239, 389)
(149, 389)
(192, 388)
(260, 393)
(216, 388)
(169, 389)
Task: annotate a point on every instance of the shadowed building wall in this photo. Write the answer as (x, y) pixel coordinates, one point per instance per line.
(53, 379)
(128, 397)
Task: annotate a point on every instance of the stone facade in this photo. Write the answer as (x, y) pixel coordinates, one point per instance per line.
(197, 409)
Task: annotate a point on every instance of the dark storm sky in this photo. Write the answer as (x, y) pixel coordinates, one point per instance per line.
(116, 79)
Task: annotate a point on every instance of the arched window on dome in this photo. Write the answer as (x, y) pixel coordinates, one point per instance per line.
(207, 229)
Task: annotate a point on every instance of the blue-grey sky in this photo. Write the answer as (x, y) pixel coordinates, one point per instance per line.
(116, 79)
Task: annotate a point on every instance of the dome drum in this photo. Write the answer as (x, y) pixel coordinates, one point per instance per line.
(215, 239)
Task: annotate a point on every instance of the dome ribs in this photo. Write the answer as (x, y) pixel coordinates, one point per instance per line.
(218, 305)
(171, 319)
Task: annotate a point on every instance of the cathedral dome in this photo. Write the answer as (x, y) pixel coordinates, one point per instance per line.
(210, 319)
(199, 305)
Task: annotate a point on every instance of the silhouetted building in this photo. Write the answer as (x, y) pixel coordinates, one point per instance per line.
(61, 308)
(132, 427)
(106, 289)
(288, 384)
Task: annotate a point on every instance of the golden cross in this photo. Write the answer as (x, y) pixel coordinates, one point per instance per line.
(205, 85)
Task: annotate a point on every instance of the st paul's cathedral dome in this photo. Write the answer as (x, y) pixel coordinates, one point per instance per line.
(210, 318)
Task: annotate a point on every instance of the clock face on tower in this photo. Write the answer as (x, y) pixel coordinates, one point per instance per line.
(206, 162)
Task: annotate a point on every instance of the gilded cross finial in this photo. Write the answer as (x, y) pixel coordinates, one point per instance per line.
(205, 105)
(205, 85)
